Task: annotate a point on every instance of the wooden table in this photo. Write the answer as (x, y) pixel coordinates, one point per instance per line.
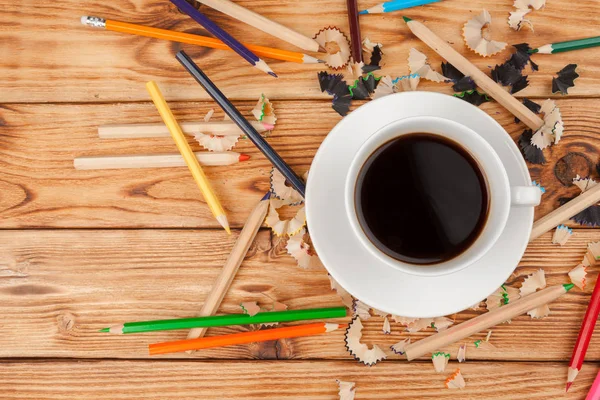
(80, 249)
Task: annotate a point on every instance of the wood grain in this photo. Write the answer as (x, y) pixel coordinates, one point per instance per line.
(61, 380)
(40, 189)
(58, 288)
(50, 57)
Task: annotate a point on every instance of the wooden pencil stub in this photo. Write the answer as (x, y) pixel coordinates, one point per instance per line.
(486, 83)
(205, 158)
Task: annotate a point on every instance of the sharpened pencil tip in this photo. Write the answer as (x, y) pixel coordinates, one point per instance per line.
(272, 74)
(568, 286)
(568, 386)
(104, 330)
(322, 49)
(244, 157)
(222, 219)
(363, 12)
(266, 196)
(406, 19)
(321, 61)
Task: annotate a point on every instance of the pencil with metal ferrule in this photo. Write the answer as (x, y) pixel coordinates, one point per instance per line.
(244, 337)
(484, 321)
(585, 335)
(227, 320)
(242, 122)
(229, 40)
(264, 24)
(486, 83)
(390, 6)
(568, 45)
(188, 38)
(188, 155)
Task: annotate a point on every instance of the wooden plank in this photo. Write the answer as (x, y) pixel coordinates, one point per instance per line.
(40, 188)
(57, 380)
(57, 59)
(58, 288)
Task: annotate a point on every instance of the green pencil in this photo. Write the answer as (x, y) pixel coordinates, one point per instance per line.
(568, 45)
(224, 320)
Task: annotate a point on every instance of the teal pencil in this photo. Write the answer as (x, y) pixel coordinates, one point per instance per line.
(568, 45)
(225, 320)
(395, 5)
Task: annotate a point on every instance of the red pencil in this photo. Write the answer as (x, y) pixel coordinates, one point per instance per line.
(585, 334)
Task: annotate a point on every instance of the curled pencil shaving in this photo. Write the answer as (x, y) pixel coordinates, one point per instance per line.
(553, 123)
(288, 227)
(565, 79)
(533, 282)
(419, 324)
(584, 184)
(441, 323)
(353, 71)
(417, 63)
(216, 142)
(440, 361)
(264, 111)
(361, 309)
(387, 85)
(473, 97)
(483, 345)
(363, 87)
(502, 296)
(299, 248)
(462, 353)
(387, 329)
(209, 115)
(360, 351)
(399, 348)
(250, 307)
(337, 46)
(477, 39)
(346, 297)
(539, 185)
(403, 320)
(282, 190)
(592, 254)
(455, 381)
(516, 19)
(346, 390)
(380, 313)
(530, 152)
(336, 86)
(578, 276)
(373, 54)
(561, 235)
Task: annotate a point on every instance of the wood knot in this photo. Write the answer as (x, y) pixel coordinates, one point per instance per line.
(571, 165)
(65, 321)
(272, 350)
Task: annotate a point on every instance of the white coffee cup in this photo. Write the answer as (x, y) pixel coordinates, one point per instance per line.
(500, 194)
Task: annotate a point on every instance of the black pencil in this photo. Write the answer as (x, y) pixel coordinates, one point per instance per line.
(240, 121)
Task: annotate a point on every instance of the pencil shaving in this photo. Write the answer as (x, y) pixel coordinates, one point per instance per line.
(533, 282)
(299, 248)
(379, 313)
(399, 348)
(473, 97)
(250, 307)
(531, 153)
(346, 390)
(209, 115)
(403, 320)
(417, 63)
(561, 235)
(441, 323)
(387, 329)
(264, 111)
(584, 184)
(476, 36)
(517, 20)
(455, 381)
(336, 86)
(363, 87)
(373, 54)
(361, 309)
(462, 353)
(565, 79)
(502, 296)
(440, 361)
(360, 351)
(337, 46)
(281, 189)
(578, 276)
(288, 227)
(215, 142)
(353, 71)
(346, 297)
(419, 324)
(387, 85)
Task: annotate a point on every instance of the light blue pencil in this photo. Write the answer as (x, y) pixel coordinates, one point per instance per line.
(395, 5)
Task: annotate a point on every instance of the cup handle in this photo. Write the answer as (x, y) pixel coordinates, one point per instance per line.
(524, 196)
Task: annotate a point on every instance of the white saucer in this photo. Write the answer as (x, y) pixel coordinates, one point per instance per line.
(368, 278)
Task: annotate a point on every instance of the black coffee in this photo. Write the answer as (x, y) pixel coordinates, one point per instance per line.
(421, 199)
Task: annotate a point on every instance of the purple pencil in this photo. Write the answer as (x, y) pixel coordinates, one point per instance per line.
(219, 33)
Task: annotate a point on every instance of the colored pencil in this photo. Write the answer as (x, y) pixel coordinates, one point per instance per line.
(390, 6)
(232, 264)
(188, 155)
(244, 337)
(485, 321)
(564, 212)
(229, 40)
(227, 320)
(569, 45)
(147, 31)
(207, 158)
(137, 131)
(264, 24)
(594, 393)
(355, 37)
(486, 83)
(239, 119)
(585, 334)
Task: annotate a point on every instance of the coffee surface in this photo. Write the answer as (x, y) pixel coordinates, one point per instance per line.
(421, 199)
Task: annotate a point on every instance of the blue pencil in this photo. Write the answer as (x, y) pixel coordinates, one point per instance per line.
(219, 33)
(395, 5)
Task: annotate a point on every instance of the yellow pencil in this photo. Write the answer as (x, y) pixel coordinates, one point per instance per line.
(188, 154)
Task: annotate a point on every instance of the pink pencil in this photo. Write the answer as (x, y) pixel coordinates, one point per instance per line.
(594, 393)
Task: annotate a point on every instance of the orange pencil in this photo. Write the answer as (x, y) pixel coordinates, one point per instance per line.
(188, 38)
(244, 337)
